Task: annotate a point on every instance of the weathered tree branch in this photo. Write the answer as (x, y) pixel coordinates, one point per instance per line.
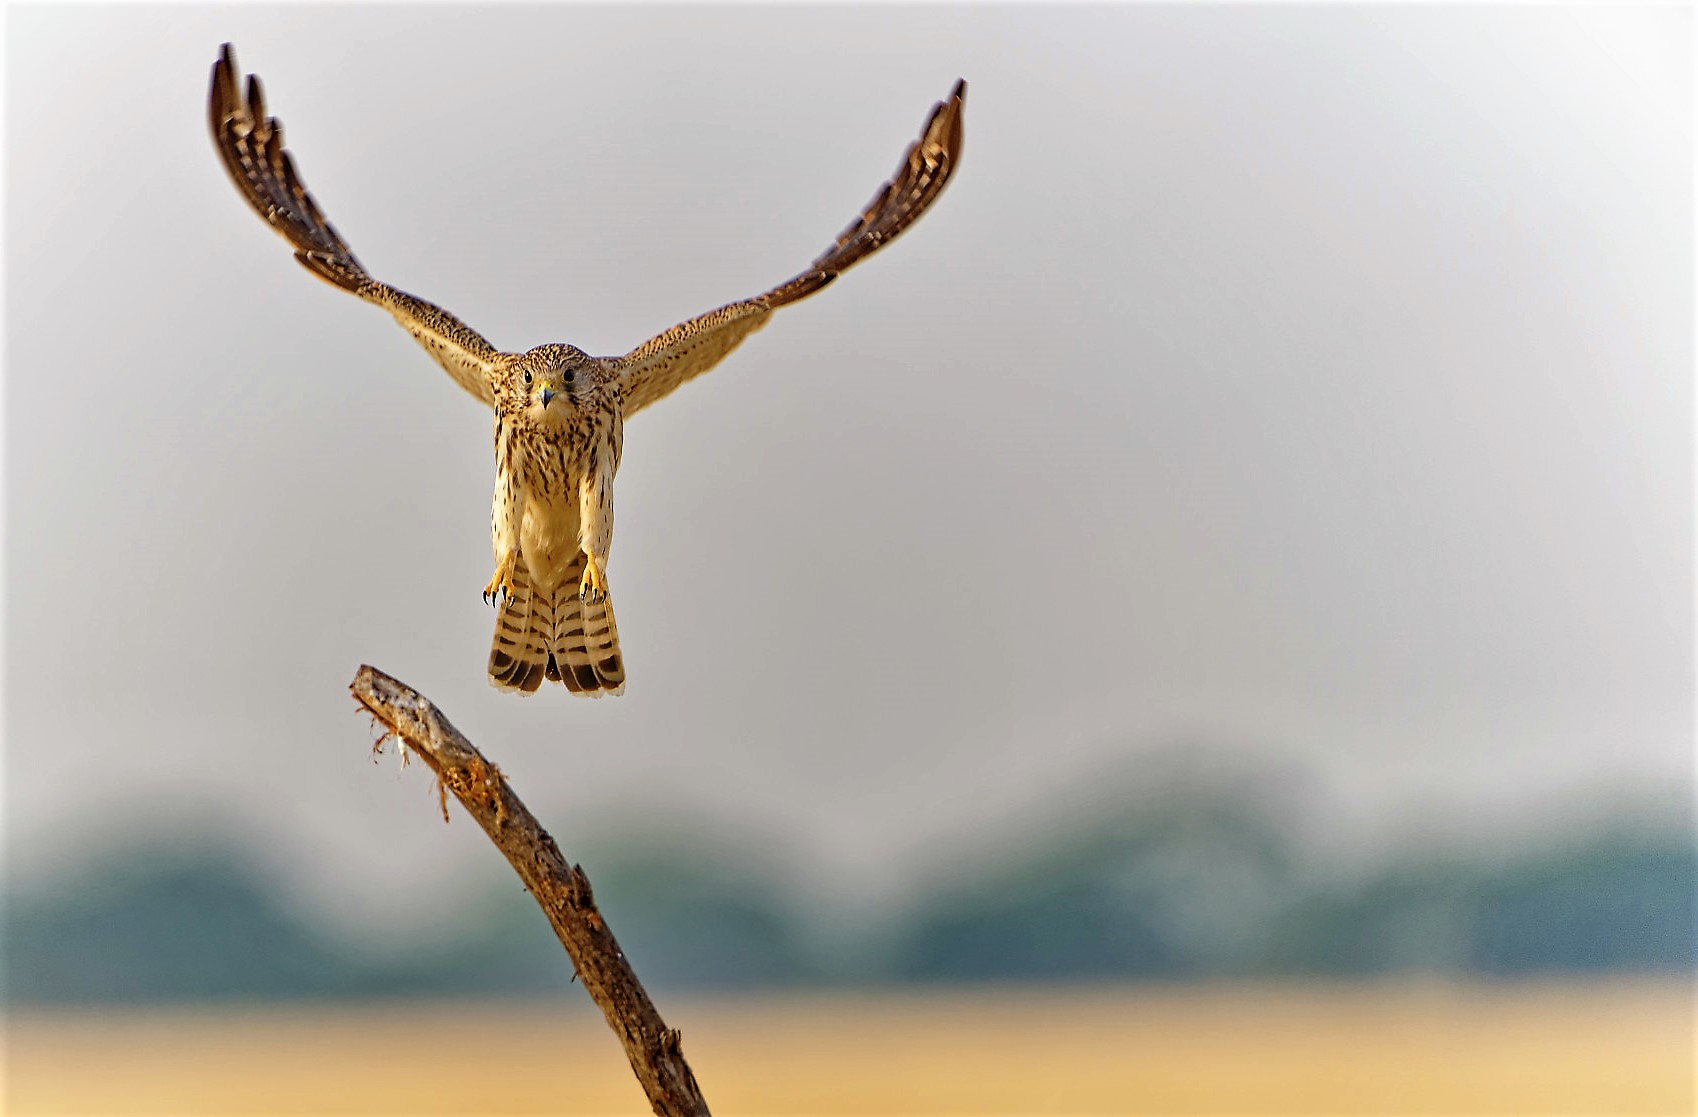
(560, 888)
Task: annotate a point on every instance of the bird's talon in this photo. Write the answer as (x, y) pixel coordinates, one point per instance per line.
(592, 590)
(501, 584)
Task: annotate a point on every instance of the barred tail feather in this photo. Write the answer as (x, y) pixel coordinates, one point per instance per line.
(518, 657)
(584, 650)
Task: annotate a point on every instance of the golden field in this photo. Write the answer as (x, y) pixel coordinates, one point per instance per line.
(1605, 1048)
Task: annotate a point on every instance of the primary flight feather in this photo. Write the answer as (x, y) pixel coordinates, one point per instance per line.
(559, 412)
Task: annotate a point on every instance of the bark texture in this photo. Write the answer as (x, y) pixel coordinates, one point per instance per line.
(560, 888)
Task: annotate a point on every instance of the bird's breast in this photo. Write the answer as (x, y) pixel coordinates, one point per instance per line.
(548, 533)
(548, 538)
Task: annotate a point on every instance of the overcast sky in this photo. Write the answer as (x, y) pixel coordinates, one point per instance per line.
(1311, 381)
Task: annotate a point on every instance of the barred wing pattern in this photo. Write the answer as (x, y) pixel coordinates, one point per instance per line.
(658, 366)
(251, 146)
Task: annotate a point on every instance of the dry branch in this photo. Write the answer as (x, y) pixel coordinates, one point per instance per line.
(560, 888)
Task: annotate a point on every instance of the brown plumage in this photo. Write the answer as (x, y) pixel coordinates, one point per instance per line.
(559, 413)
(558, 435)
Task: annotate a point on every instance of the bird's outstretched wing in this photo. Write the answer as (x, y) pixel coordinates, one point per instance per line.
(653, 369)
(251, 146)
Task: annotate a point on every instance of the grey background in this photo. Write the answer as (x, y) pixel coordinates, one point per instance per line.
(1302, 392)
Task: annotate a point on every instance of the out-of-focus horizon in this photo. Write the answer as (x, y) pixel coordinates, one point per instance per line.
(1306, 388)
(1186, 877)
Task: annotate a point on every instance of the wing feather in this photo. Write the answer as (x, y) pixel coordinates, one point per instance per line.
(658, 366)
(250, 143)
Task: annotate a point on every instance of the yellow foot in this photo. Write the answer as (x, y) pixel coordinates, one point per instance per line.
(592, 590)
(502, 582)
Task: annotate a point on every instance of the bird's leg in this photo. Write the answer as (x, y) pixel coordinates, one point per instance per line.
(595, 525)
(502, 582)
(506, 515)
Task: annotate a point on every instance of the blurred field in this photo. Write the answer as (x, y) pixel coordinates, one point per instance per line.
(1614, 1048)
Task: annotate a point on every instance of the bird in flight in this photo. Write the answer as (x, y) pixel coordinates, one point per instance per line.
(559, 412)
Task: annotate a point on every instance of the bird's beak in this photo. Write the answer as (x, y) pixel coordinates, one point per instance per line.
(548, 394)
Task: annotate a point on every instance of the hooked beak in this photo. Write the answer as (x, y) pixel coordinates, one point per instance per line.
(548, 394)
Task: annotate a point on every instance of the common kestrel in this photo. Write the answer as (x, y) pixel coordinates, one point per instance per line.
(559, 413)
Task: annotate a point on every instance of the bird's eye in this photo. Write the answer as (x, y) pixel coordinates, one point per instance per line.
(527, 379)
(571, 374)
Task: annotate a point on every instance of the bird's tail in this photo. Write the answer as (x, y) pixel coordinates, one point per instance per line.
(552, 634)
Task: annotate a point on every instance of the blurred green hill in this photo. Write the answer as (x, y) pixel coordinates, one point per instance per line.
(1613, 901)
(1190, 883)
(207, 926)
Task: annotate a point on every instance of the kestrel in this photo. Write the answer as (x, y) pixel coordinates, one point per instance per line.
(559, 413)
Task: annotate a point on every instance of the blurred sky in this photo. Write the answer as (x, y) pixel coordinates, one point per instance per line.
(1310, 382)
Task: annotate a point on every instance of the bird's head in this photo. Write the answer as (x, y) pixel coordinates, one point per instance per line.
(551, 381)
